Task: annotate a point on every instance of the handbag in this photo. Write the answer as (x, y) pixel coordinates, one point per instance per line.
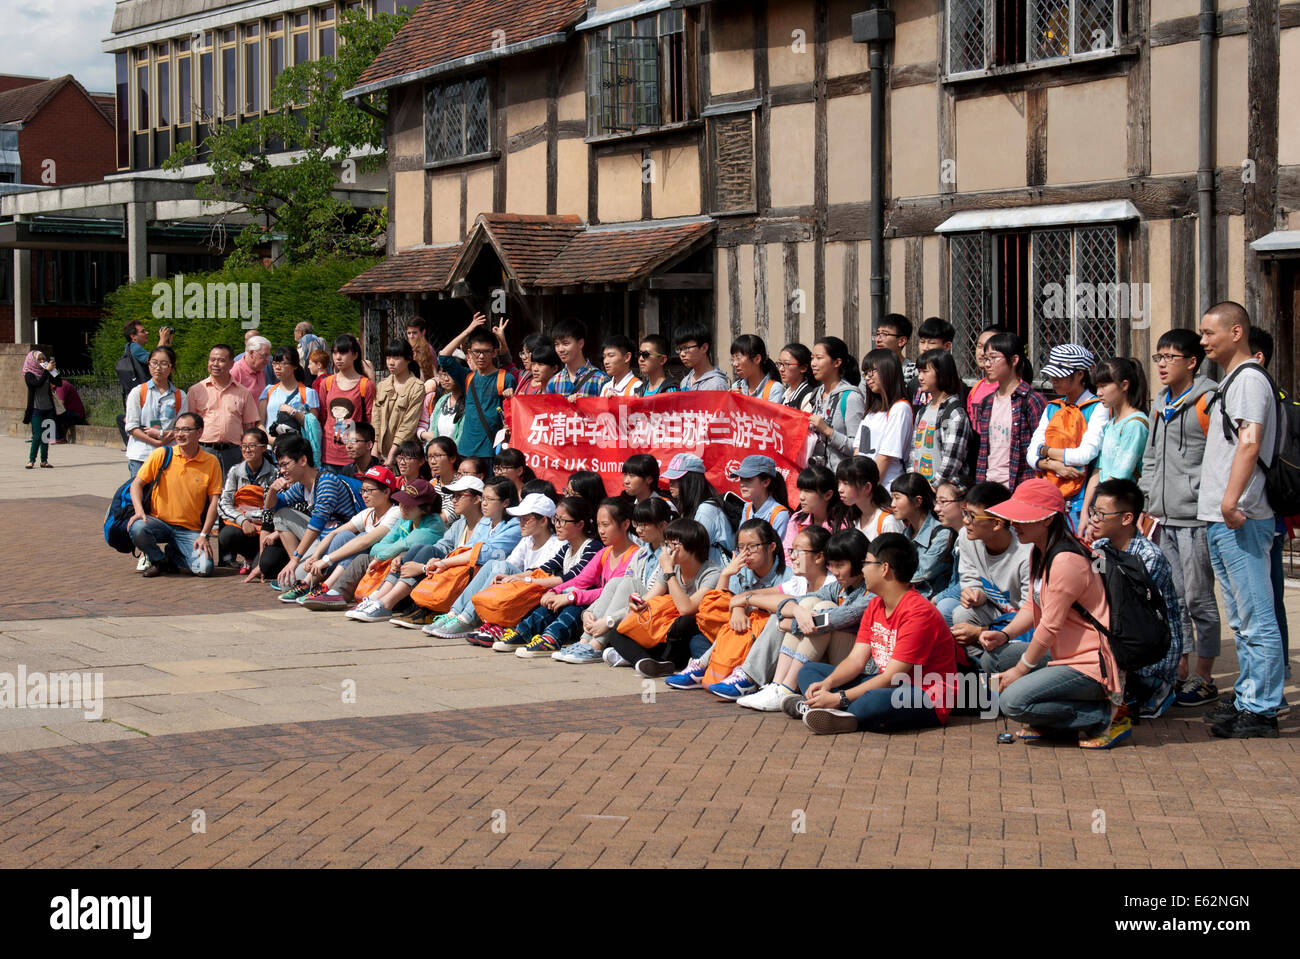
(505, 604)
(439, 591)
(648, 627)
(374, 578)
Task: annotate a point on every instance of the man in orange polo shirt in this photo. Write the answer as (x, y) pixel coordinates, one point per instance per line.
(225, 407)
(184, 503)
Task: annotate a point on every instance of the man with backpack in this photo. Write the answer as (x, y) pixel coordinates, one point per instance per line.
(1171, 481)
(1113, 519)
(1242, 435)
(484, 390)
(183, 505)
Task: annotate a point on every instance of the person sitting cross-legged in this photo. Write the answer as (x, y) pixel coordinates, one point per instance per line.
(183, 504)
(915, 656)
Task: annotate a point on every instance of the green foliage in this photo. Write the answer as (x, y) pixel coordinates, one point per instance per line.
(287, 295)
(293, 201)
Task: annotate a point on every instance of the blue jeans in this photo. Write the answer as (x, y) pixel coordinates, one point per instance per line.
(338, 542)
(1240, 559)
(564, 627)
(133, 467)
(464, 605)
(879, 710)
(1003, 657)
(151, 535)
(1278, 579)
(948, 599)
(1056, 697)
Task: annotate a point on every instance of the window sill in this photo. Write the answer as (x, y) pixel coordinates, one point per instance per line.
(463, 161)
(1111, 53)
(643, 133)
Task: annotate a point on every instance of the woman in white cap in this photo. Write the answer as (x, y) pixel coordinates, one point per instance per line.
(764, 492)
(537, 544)
(698, 500)
(1079, 692)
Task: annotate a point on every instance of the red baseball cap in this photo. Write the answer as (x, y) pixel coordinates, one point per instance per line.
(1033, 500)
(381, 474)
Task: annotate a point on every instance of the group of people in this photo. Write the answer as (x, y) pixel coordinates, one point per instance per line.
(942, 535)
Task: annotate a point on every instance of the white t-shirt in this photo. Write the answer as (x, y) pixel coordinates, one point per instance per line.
(365, 521)
(527, 557)
(1249, 400)
(277, 396)
(879, 523)
(887, 433)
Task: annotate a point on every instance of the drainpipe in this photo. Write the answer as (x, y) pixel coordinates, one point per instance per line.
(1205, 161)
(875, 27)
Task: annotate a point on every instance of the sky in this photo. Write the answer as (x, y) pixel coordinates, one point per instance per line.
(48, 38)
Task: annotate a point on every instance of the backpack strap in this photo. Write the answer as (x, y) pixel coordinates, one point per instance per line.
(1202, 407)
(144, 393)
(302, 395)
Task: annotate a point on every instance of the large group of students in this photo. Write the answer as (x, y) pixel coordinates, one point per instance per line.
(941, 531)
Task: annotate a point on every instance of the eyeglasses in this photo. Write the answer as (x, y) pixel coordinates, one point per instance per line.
(946, 502)
(561, 521)
(1166, 357)
(687, 347)
(874, 562)
(159, 365)
(796, 552)
(187, 429)
(481, 352)
(252, 447)
(972, 517)
(1098, 514)
(368, 489)
(406, 456)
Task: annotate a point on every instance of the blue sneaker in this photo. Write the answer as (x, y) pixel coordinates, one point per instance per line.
(734, 686)
(1154, 708)
(688, 678)
(580, 654)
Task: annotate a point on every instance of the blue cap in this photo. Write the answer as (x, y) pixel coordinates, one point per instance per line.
(752, 466)
(682, 464)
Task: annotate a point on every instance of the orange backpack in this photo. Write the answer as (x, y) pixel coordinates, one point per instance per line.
(1064, 431)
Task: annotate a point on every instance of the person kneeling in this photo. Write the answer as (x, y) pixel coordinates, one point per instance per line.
(906, 638)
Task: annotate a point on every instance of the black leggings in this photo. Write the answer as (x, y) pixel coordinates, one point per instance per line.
(676, 648)
(233, 541)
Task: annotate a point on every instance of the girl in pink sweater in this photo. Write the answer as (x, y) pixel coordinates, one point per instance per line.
(557, 622)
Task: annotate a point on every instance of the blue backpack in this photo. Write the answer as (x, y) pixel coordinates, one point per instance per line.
(120, 510)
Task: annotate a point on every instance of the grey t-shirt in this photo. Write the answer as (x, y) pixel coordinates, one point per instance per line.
(1249, 400)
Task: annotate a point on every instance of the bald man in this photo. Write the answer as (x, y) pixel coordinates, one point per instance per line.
(1233, 504)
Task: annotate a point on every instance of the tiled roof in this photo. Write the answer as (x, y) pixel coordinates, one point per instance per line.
(21, 104)
(444, 30)
(421, 270)
(620, 255)
(525, 244)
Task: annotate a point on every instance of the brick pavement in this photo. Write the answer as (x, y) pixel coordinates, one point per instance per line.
(570, 766)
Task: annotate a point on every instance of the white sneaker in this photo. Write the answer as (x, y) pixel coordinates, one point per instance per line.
(141, 566)
(612, 658)
(363, 607)
(766, 700)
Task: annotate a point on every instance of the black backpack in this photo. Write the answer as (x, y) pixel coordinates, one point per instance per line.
(1139, 619)
(130, 371)
(1282, 476)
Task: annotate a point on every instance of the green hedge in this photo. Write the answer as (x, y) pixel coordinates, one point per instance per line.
(287, 295)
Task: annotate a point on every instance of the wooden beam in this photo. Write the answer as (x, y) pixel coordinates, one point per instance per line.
(1036, 137)
(821, 163)
(427, 228)
(571, 129)
(907, 75)
(790, 266)
(681, 281)
(733, 291)
(751, 229)
(499, 169)
(1183, 312)
(914, 280)
(1084, 71)
(791, 93)
(530, 137)
(1139, 95)
(851, 298)
(647, 183)
(552, 135)
(763, 116)
(1263, 55)
(761, 323)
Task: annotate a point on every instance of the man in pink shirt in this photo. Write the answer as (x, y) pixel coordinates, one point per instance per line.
(226, 407)
(249, 371)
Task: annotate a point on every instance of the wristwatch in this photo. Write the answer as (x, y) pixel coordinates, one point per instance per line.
(844, 700)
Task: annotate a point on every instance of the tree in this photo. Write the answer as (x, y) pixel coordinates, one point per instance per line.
(320, 138)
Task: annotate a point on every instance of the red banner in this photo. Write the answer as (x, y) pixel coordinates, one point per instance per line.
(559, 438)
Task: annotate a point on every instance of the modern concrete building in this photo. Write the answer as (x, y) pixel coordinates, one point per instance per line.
(1095, 171)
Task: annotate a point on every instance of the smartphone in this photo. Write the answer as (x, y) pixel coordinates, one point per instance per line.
(822, 620)
(636, 599)
(1005, 738)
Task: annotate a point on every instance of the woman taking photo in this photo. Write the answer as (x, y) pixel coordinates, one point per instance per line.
(1078, 692)
(942, 436)
(756, 374)
(41, 376)
(837, 404)
(885, 434)
(794, 366)
(1006, 418)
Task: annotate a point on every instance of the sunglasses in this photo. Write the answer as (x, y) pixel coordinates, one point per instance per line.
(646, 354)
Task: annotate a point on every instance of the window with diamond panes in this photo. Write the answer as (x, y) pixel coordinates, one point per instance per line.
(983, 34)
(457, 119)
(968, 299)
